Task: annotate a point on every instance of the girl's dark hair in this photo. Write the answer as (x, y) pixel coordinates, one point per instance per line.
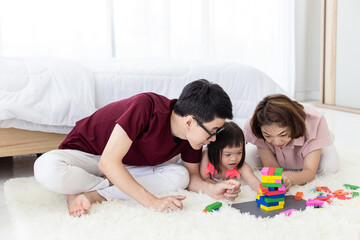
(205, 101)
(280, 110)
(231, 136)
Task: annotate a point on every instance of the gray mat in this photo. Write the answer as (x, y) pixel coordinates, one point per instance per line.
(251, 207)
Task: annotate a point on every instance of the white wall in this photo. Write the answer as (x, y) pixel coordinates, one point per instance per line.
(347, 54)
(307, 49)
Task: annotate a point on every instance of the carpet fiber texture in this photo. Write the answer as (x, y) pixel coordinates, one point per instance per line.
(40, 214)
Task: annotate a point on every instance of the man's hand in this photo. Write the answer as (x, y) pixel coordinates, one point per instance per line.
(227, 190)
(169, 203)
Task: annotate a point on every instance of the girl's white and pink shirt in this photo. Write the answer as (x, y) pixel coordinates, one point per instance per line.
(292, 156)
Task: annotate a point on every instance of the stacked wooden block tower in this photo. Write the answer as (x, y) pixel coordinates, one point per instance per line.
(272, 189)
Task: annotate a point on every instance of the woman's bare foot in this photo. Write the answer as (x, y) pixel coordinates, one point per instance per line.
(78, 204)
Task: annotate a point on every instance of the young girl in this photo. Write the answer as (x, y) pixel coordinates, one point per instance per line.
(225, 158)
(291, 136)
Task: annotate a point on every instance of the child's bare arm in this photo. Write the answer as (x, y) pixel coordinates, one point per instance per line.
(249, 177)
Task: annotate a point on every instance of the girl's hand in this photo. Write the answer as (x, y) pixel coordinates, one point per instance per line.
(227, 190)
(287, 183)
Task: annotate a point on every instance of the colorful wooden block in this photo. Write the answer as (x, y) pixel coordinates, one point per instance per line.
(271, 171)
(271, 184)
(264, 171)
(280, 206)
(262, 203)
(278, 172)
(338, 192)
(213, 207)
(352, 187)
(313, 202)
(326, 189)
(299, 195)
(271, 198)
(288, 212)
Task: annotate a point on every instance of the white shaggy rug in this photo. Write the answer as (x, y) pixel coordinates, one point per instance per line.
(40, 214)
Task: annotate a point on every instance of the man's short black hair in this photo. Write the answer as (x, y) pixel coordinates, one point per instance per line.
(204, 100)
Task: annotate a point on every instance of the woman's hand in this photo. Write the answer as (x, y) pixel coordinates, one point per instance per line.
(287, 183)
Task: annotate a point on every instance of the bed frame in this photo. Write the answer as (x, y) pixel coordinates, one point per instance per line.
(15, 142)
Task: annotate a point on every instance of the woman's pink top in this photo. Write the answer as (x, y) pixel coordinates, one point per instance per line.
(292, 155)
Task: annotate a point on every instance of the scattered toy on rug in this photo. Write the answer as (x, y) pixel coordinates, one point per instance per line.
(288, 212)
(212, 207)
(299, 195)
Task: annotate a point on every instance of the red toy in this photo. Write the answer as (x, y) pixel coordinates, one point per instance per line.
(232, 173)
(210, 169)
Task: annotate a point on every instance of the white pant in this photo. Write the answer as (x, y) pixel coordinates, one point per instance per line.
(329, 162)
(73, 172)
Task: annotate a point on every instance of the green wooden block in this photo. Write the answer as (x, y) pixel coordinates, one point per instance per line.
(278, 172)
(272, 184)
(213, 206)
(352, 187)
(355, 194)
(271, 200)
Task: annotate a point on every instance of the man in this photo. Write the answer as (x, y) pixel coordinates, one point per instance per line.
(121, 150)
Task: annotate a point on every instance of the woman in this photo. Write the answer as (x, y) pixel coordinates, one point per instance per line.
(291, 136)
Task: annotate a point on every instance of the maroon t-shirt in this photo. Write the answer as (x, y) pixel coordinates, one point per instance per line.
(146, 120)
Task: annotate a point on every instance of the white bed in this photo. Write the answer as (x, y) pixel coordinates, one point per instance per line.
(46, 96)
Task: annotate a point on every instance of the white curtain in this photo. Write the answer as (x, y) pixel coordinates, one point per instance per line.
(59, 28)
(258, 33)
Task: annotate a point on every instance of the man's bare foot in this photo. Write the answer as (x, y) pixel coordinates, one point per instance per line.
(78, 204)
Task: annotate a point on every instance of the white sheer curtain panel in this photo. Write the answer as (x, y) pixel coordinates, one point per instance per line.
(59, 28)
(258, 33)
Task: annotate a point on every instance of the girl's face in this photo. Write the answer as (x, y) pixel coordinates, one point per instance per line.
(277, 136)
(231, 157)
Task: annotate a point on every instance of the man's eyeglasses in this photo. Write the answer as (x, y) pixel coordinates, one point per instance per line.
(207, 131)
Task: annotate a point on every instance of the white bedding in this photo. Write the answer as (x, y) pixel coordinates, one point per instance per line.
(44, 92)
(50, 95)
(118, 79)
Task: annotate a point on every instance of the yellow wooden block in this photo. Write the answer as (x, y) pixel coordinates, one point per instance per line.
(272, 208)
(270, 179)
(259, 195)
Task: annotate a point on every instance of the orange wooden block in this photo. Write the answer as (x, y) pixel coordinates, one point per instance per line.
(338, 192)
(299, 195)
(319, 189)
(343, 193)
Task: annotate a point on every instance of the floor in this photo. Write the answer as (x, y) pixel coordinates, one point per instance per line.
(344, 125)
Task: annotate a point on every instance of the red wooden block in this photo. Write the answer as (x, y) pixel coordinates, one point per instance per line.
(271, 171)
(326, 189)
(324, 198)
(342, 197)
(270, 193)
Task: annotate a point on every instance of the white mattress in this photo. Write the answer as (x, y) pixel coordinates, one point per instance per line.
(50, 95)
